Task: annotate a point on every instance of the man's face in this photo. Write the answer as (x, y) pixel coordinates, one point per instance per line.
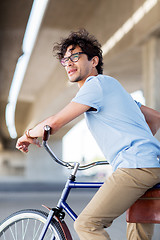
(79, 70)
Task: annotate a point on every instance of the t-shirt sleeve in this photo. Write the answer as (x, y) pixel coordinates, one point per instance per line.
(90, 94)
(138, 103)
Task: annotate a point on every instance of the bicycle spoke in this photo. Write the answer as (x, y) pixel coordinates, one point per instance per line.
(25, 229)
(22, 229)
(15, 227)
(4, 236)
(50, 236)
(36, 232)
(34, 229)
(12, 233)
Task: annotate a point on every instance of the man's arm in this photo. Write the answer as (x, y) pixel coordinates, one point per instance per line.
(152, 118)
(70, 112)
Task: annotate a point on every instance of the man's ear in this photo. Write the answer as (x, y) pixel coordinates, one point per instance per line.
(95, 61)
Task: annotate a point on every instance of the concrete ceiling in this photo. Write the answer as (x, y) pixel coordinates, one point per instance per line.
(45, 88)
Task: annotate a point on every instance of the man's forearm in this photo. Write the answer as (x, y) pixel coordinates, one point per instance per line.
(70, 112)
(152, 118)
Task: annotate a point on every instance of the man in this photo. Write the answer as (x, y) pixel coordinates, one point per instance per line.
(123, 129)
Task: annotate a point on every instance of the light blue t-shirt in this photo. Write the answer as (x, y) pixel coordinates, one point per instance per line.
(118, 125)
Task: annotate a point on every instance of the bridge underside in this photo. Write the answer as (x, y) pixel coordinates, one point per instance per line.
(133, 60)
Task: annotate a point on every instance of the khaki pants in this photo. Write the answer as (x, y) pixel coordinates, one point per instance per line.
(115, 196)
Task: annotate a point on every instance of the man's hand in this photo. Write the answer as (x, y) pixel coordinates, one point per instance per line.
(24, 142)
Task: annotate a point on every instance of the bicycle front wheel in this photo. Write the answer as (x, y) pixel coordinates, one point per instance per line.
(27, 225)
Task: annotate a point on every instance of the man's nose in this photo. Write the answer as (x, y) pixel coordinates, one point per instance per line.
(69, 62)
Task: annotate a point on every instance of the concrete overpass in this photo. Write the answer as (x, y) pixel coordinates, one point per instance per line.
(133, 58)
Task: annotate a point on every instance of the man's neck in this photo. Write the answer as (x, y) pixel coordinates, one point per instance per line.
(81, 83)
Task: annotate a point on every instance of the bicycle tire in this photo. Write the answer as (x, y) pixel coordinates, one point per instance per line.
(27, 225)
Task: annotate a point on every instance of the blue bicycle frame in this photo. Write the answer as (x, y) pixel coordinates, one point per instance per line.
(70, 185)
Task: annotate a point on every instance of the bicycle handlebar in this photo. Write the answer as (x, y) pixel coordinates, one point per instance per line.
(47, 132)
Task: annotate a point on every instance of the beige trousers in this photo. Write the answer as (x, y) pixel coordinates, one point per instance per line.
(115, 196)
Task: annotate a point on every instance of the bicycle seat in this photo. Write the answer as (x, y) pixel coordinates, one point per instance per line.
(147, 208)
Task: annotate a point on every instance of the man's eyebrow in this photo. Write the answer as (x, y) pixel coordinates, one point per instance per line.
(70, 51)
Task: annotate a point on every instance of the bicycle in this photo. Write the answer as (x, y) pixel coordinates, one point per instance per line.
(33, 224)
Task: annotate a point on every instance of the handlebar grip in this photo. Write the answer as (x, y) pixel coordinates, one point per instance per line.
(47, 132)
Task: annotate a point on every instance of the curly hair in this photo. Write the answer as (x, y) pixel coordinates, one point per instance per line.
(88, 43)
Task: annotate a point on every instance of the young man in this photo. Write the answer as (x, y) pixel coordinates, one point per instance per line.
(123, 129)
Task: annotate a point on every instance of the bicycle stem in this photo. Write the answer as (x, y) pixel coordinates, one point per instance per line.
(67, 189)
(75, 169)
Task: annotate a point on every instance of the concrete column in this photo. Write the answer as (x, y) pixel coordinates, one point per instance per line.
(151, 74)
(40, 166)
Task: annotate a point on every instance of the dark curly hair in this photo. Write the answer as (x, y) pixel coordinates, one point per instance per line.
(88, 43)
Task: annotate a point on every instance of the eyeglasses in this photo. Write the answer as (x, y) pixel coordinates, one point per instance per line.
(74, 58)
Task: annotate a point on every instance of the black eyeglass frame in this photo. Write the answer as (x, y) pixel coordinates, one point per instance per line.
(66, 59)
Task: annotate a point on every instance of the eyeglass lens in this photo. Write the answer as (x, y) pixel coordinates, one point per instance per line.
(74, 58)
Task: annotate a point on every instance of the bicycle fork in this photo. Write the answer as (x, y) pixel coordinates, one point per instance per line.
(57, 211)
(46, 225)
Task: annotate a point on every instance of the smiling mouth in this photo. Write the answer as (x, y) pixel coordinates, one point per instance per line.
(72, 71)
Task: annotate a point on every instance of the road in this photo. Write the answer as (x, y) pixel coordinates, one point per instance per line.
(13, 201)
